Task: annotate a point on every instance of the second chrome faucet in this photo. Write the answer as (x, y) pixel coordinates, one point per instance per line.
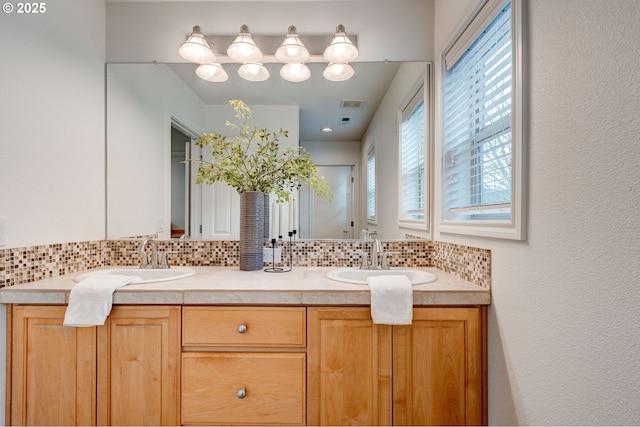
(377, 258)
(158, 260)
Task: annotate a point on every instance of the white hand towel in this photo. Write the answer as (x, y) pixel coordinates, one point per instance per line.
(391, 299)
(90, 299)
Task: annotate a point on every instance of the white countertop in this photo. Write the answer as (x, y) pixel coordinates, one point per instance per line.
(229, 285)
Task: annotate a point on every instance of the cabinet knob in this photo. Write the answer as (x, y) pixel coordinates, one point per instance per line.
(242, 393)
(242, 329)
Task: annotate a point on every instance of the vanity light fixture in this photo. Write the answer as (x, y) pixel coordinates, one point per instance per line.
(295, 72)
(212, 72)
(338, 72)
(254, 72)
(294, 55)
(196, 49)
(341, 49)
(243, 49)
(291, 52)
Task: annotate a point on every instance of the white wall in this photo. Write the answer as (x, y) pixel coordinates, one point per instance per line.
(564, 323)
(51, 129)
(159, 27)
(333, 152)
(141, 100)
(52, 124)
(271, 117)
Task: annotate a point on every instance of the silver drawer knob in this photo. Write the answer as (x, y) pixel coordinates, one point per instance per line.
(242, 329)
(242, 393)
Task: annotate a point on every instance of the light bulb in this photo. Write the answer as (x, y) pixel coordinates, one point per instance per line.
(292, 50)
(212, 73)
(338, 72)
(196, 49)
(295, 72)
(254, 72)
(341, 49)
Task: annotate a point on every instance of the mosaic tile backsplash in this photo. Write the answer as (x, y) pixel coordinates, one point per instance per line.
(28, 264)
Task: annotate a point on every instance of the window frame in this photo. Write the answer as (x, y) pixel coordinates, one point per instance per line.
(371, 153)
(492, 225)
(421, 88)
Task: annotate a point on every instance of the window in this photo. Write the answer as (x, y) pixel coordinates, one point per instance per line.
(371, 185)
(481, 177)
(413, 179)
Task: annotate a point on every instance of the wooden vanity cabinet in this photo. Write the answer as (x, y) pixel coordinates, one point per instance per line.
(247, 365)
(349, 368)
(52, 367)
(123, 373)
(427, 373)
(438, 368)
(244, 365)
(139, 366)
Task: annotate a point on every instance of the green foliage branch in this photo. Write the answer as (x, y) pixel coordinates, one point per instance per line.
(253, 160)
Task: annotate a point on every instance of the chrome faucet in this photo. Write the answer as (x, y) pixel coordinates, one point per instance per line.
(377, 258)
(374, 255)
(144, 259)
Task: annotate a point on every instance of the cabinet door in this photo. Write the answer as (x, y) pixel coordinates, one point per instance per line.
(437, 368)
(53, 369)
(138, 366)
(349, 368)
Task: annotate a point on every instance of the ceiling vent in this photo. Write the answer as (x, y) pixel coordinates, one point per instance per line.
(352, 103)
(345, 120)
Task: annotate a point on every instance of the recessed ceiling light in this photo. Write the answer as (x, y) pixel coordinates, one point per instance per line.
(326, 130)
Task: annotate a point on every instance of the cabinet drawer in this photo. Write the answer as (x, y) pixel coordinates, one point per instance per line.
(244, 326)
(274, 385)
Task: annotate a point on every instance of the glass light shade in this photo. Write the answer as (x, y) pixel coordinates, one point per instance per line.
(212, 73)
(196, 49)
(338, 72)
(341, 49)
(292, 50)
(254, 72)
(295, 72)
(243, 49)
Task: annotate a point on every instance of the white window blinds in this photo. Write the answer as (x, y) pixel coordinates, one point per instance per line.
(412, 160)
(477, 120)
(371, 185)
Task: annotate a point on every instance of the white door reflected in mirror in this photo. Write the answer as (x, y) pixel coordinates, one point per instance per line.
(334, 219)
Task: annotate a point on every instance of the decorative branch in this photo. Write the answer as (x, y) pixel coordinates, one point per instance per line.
(253, 160)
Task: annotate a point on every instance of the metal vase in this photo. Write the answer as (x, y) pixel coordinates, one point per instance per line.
(251, 230)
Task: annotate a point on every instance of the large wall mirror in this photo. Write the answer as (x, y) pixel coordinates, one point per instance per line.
(155, 112)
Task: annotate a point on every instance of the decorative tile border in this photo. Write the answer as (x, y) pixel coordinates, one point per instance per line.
(28, 264)
(469, 263)
(31, 263)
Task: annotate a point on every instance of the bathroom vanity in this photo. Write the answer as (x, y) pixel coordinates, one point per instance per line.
(248, 348)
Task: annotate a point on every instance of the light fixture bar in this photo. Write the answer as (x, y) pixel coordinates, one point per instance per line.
(314, 45)
(267, 59)
(268, 44)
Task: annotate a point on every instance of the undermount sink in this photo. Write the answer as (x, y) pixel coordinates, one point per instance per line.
(145, 275)
(358, 276)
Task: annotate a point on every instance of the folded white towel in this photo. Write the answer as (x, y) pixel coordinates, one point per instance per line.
(90, 299)
(391, 299)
